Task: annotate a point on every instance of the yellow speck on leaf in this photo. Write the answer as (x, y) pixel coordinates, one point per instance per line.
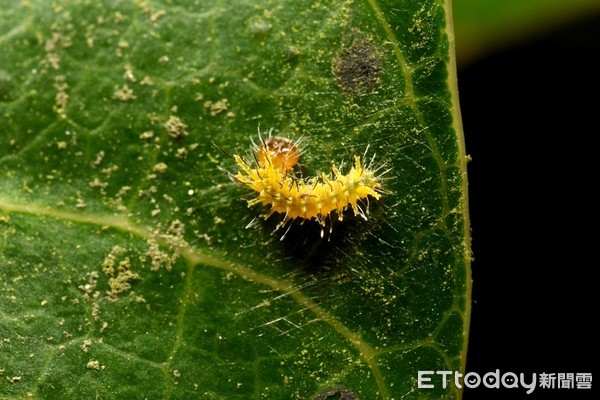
(128, 74)
(85, 347)
(146, 135)
(125, 93)
(160, 168)
(147, 81)
(175, 127)
(94, 364)
(216, 107)
(156, 15)
(62, 97)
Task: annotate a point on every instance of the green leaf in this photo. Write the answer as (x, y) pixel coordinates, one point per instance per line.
(126, 268)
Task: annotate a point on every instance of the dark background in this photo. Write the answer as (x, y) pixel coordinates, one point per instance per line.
(530, 118)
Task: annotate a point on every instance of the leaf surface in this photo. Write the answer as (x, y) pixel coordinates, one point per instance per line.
(126, 268)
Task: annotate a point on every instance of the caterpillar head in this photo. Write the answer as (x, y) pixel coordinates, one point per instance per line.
(282, 153)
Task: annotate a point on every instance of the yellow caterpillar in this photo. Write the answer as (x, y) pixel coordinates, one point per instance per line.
(306, 199)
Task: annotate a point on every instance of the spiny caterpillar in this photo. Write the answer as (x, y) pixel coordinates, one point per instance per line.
(271, 177)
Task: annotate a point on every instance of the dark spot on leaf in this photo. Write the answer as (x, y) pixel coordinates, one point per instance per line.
(5, 85)
(336, 394)
(357, 68)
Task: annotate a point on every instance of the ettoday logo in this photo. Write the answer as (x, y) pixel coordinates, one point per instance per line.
(507, 380)
(471, 380)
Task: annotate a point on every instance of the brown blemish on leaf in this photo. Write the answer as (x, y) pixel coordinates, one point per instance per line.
(357, 68)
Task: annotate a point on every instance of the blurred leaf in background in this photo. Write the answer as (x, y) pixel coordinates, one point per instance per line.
(485, 26)
(526, 76)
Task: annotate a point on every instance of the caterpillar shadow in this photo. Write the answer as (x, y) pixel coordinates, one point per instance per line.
(326, 252)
